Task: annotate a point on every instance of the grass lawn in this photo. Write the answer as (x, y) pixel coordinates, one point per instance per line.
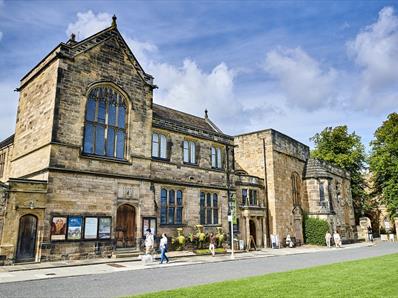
(374, 277)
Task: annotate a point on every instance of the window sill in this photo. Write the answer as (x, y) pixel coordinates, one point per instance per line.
(160, 159)
(212, 225)
(172, 225)
(104, 158)
(218, 169)
(194, 165)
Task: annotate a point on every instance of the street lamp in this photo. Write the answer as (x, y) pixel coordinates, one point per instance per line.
(231, 218)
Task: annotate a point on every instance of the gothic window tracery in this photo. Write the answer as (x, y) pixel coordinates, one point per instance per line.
(105, 123)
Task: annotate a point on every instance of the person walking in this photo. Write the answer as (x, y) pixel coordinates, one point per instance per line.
(149, 241)
(212, 245)
(163, 249)
(328, 237)
(337, 239)
(370, 234)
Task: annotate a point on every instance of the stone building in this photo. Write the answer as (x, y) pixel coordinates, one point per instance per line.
(94, 163)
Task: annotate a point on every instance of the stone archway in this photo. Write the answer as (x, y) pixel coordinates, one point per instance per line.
(125, 226)
(27, 234)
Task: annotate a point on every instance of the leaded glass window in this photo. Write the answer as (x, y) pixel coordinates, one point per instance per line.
(208, 208)
(105, 123)
(171, 206)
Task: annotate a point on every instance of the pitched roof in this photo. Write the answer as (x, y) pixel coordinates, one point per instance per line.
(163, 113)
(7, 141)
(73, 48)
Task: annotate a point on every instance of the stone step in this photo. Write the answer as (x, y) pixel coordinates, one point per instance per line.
(131, 253)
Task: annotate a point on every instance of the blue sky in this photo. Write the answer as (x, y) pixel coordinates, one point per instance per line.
(296, 66)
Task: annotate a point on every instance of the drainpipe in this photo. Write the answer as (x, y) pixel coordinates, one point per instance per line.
(267, 229)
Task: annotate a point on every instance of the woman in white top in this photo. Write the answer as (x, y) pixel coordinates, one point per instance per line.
(163, 249)
(149, 241)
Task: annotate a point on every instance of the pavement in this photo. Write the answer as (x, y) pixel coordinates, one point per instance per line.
(48, 270)
(117, 278)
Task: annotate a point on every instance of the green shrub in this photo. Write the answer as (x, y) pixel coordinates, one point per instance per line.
(315, 230)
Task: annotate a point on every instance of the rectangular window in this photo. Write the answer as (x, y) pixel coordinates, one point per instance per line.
(244, 197)
(189, 153)
(110, 142)
(216, 160)
(202, 214)
(100, 140)
(120, 144)
(208, 208)
(89, 138)
(101, 111)
(155, 145)
(253, 197)
(163, 146)
(171, 206)
(159, 146)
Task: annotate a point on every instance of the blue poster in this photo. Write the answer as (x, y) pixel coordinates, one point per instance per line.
(74, 228)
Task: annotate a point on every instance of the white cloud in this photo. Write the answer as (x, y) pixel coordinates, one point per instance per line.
(186, 87)
(1, 35)
(301, 78)
(375, 51)
(88, 24)
(141, 50)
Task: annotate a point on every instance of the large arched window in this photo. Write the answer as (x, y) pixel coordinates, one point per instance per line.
(105, 123)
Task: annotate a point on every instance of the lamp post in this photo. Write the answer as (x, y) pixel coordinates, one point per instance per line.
(231, 217)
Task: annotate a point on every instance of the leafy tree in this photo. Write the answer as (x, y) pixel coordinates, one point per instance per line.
(383, 163)
(345, 150)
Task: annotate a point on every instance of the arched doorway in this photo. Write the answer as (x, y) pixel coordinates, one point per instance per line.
(125, 226)
(253, 238)
(27, 238)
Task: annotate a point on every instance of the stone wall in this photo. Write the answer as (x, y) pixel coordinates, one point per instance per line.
(7, 151)
(25, 197)
(34, 118)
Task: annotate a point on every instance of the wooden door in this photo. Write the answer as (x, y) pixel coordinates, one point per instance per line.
(125, 226)
(27, 238)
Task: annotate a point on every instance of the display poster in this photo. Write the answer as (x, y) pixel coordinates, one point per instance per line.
(90, 227)
(74, 228)
(58, 228)
(104, 228)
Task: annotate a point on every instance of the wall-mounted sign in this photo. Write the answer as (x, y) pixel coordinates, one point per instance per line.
(58, 228)
(104, 228)
(90, 227)
(74, 228)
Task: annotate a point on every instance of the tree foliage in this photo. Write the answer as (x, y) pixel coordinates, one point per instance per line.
(345, 150)
(383, 163)
(315, 230)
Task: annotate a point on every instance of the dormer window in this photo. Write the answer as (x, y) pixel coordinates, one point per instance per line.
(105, 123)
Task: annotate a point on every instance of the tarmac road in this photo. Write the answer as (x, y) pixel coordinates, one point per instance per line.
(172, 276)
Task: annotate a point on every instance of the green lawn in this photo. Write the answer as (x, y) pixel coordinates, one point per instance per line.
(374, 277)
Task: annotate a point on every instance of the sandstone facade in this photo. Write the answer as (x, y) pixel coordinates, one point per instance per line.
(163, 168)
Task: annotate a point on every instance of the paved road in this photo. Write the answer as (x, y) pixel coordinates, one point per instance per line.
(169, 277)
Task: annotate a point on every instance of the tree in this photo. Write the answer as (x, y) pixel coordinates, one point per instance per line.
(383, 163)
(345, 150)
